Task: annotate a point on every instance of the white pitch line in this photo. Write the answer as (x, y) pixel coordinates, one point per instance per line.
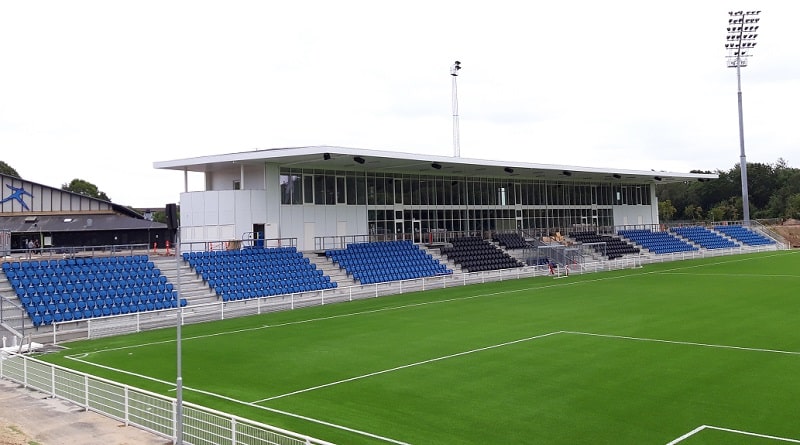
(410, 365)
(253, 405)
(686, 343)
(737, 275)
(747, 433)
(424, 303)
(357, 313)
(688, 435)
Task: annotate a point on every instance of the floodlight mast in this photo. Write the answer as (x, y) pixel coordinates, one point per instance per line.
(456, 143)
(742, 27)
(179, 340)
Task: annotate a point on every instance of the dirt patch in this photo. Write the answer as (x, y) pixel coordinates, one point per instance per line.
(29, 417)
(790, 230)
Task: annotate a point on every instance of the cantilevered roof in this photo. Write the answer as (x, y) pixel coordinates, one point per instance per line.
(344, 158)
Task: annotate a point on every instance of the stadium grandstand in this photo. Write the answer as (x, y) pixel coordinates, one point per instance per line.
(293, 227)
(286, 228)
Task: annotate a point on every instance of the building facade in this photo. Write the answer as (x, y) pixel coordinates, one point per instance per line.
(312, 192)
(52, 218)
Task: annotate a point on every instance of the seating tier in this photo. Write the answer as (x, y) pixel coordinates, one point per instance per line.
(383, 261)
(81, 288)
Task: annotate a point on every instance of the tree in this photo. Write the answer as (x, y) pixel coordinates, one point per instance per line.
(8, 170)
(160, 216)
(666, 210)
(85, 188)
(693, 212)
(793, 206)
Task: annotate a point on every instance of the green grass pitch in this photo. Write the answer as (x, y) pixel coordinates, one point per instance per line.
(641, 356)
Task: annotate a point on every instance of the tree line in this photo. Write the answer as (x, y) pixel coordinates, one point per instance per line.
(773, 191)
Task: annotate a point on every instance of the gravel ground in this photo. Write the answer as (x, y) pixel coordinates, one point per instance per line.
(31, 418)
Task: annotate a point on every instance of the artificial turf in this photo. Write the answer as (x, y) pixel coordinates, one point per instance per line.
(639, 356)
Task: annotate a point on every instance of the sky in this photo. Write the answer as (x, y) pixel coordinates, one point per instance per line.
(100, 90)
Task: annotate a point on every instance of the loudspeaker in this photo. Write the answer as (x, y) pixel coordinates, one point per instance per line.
(172, 216)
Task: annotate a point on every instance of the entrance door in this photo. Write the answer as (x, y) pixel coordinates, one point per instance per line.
(399, 226)
(417, 228)
(398, 230)
(258, 235)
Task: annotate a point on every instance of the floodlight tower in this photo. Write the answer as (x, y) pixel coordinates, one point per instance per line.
(456, 144)
(742, 27)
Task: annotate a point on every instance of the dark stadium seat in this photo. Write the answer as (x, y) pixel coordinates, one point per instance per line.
(614, 247)
(474, 254)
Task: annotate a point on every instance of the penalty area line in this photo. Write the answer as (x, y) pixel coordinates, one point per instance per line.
(406, 366)
(685, 343)
(730, 430)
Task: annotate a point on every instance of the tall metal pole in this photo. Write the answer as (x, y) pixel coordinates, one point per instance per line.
(742, 156)
(179, 322)
(456, 143)
(742, 27)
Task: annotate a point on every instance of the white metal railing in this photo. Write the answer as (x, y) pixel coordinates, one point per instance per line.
(220, 310)
(143, 409)
(156, 413)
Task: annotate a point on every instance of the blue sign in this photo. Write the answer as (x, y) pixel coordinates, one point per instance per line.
(17, 194)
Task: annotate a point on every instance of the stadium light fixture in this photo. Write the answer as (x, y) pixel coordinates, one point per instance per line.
(359, 159)
(456, 143)
(742, 33)
(437, 166)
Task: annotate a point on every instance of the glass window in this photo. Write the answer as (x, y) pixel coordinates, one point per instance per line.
(308, 189)
(361, 190)
(291, 189)
(398, 191)
(350, 182)
(286, 193)
(330, 190)
(371, 192)
(319, 189)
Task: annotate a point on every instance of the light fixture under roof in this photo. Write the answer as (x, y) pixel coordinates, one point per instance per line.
(509, 170)
(617, 176)
(359, 159)
(436, 166)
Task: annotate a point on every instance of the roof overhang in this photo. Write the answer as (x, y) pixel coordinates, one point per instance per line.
(344, 158)
(80, 222)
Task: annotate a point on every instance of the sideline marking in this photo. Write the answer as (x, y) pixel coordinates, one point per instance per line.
(420, 304)
(448, 300)
(686, 343)
(729, 430)
(353, 314)
(499, 345)
(410, 365)
(241, 402)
